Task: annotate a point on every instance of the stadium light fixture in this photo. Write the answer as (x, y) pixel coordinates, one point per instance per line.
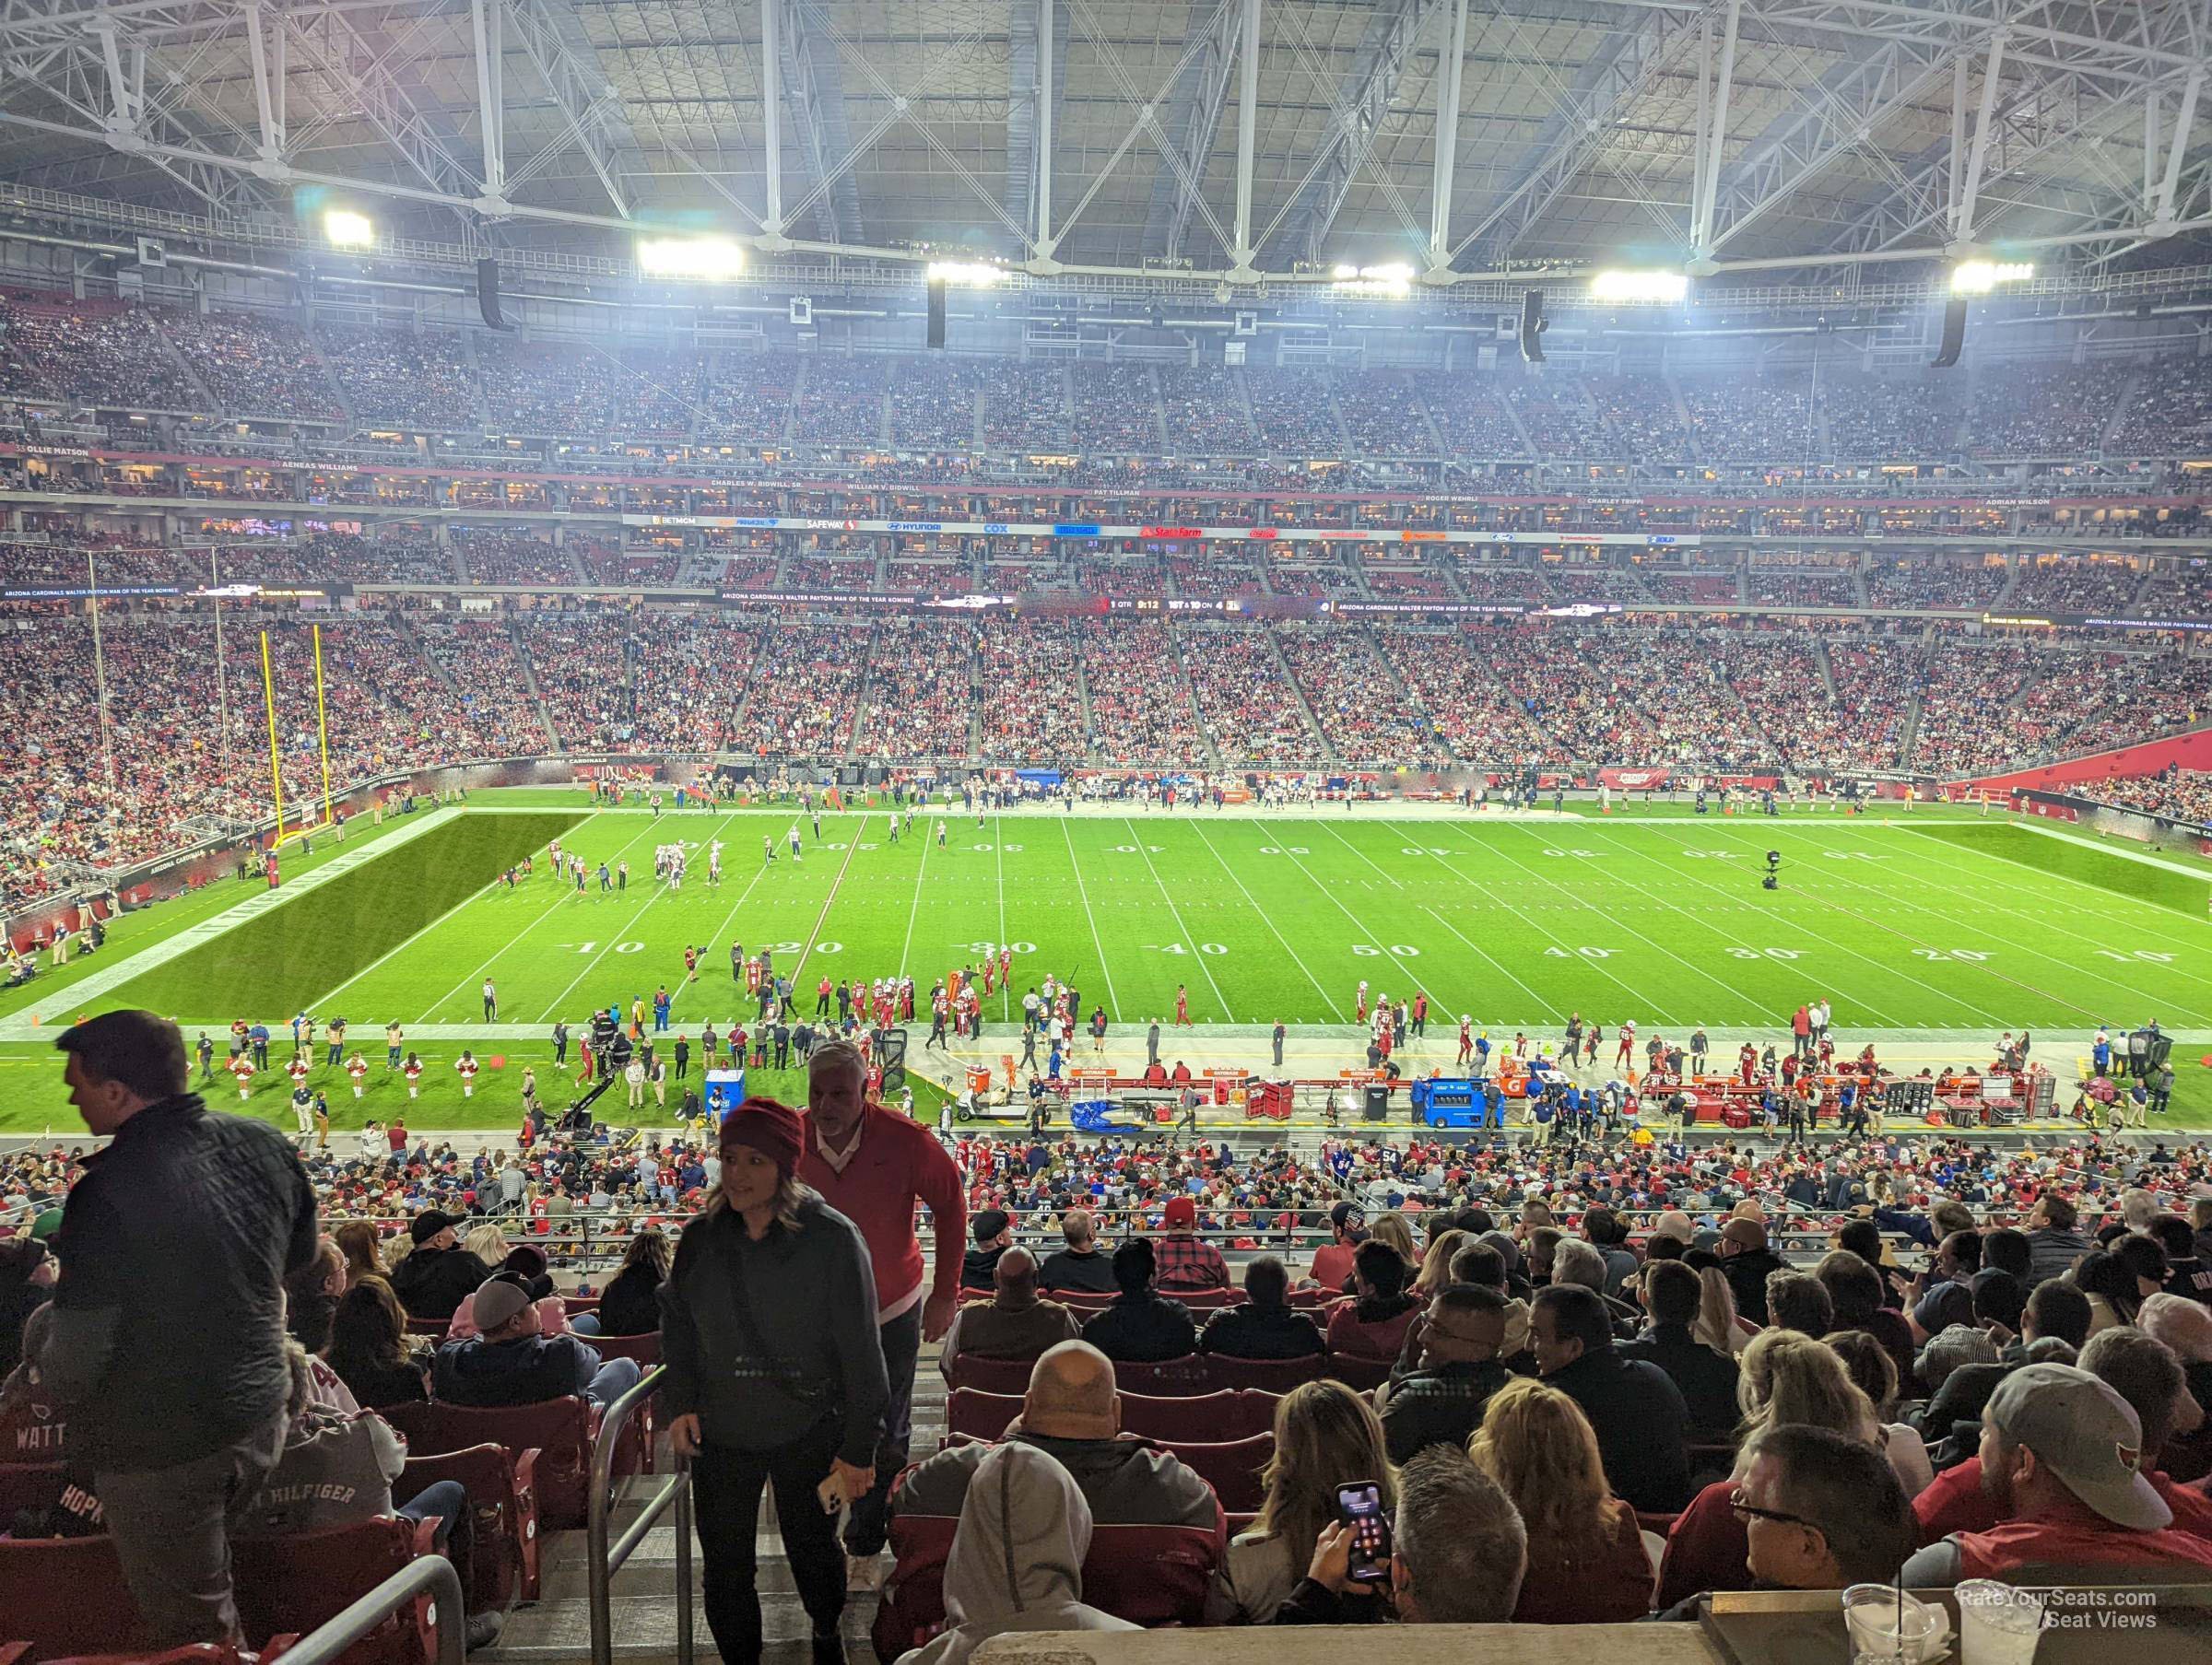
(966, 274)
(1394, 279)
(345, 229)
(1980, 277)
(690, 259)
(1665, 288)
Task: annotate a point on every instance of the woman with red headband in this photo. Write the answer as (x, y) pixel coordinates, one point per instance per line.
(775, 1375)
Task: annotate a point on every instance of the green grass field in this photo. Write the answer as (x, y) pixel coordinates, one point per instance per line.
(1906, 924)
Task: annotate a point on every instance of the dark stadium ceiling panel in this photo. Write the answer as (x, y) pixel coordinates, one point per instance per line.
(1142, 135)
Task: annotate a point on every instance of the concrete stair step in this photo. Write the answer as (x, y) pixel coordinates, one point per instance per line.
(643, 1628)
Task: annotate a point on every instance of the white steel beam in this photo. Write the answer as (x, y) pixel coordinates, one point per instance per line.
(1200, 97)
(2185, 118)
(594, 121)
(1041, 235)
(771, 113)
(1447, 139)
(1711, 140)
(1977, 158)
(485, 29)
(1248, 114)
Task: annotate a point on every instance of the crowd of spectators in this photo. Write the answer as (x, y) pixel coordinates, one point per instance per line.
(1561, 418)
(1364, 714)
(1933, 584)
(1296, 412)
(803, 690)
(2181, 794)
(2171, 414)
(1882, 419)
(401, 377)
(689, 668)
(255, 366)
(1030, 694)
(2057, 411)
(514, 557)
(841, 400)
(1205, 412)
(1750, 418)
(921, 692)
(2075, 584)
(1384, 415)
(1643, 417)
(1815, 581)
(1117, 409)
(1969, 706)
(486, 680)
(1025, 406)
(1247, 708)
(1140, 705)
(933, 402)
(91, 353)
(747, 398)
(533, 387)
(1467, 415)
(582, 668)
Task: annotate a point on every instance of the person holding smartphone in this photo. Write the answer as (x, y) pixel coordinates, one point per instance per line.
(775, 1375)
(1455, 1552)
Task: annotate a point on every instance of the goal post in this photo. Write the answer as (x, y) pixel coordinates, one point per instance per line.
(285, 832)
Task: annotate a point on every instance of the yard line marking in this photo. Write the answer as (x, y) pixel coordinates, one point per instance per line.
(1176, 913)
(2086, 943)
(1327, 1003)
(1895, 931)
(921, 868)
(1075, 862)
(1494, 960)
(1629, 989)
(544, 913)
(1598, 831)
(2109, 897)
(821, 919)
(324, 1002)
(998, 843)
(1373, 941)
(759, 872)
(620, 935)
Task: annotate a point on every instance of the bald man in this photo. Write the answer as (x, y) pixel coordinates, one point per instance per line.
(1073, 1411)
(1014, 1323)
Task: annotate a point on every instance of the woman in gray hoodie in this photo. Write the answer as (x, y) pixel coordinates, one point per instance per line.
(1017, 1558)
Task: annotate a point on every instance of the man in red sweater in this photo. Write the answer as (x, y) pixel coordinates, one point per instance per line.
(873, 1165)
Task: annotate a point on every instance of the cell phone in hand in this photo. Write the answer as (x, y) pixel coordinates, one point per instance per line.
(1359, 1506)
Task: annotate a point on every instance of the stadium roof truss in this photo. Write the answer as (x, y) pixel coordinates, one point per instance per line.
(1236, 142)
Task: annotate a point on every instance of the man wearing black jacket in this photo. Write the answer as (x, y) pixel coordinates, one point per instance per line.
(1141, 1326)
(1263, 1327)
(166, 1337)
(1745, 1261)
(1708, 1380)
(438, 1272)
(1637, 1412)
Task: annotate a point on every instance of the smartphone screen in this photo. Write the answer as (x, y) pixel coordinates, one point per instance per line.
(1360, 1505)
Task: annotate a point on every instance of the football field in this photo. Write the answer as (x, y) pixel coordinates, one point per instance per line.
(1906, 924)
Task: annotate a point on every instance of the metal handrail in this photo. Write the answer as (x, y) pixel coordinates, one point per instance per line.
(603, 1560)
(331, 1638)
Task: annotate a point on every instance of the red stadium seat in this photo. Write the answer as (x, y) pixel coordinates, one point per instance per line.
(292, 1585)
(1168, 1378)
(978, 1415)
(1151, 1576)
(502, 1492)
(1204, 1418)
(645, 1349)
(990, 1374)
(1231, 1467)
(194, 1653)
(1269, 1375)
(1363, 1374)
(561, 1430)
(68, 1592)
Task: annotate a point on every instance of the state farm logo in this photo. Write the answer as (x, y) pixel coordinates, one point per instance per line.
(1640, 777)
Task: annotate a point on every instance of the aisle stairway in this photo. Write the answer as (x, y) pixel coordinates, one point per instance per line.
(557, 1628)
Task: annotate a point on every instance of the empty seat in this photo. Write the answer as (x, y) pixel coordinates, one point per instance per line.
(561, 1430)
(1363, 1373)
(1164, 1379)
(1229, 1414)
(990, 1374)
(1269, 1374)
(1231, 1466)
(978, 1415)
(502, 1496)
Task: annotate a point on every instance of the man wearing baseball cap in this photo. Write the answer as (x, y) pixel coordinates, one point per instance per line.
(438, 1272)
(1187, 1263)
(1332, 1262)
(2060, 1458)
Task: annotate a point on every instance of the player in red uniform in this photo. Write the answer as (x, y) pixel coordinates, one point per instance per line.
(1183, 1006)
(1466, 1038)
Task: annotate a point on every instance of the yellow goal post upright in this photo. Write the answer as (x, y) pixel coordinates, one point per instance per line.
(268, 692)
